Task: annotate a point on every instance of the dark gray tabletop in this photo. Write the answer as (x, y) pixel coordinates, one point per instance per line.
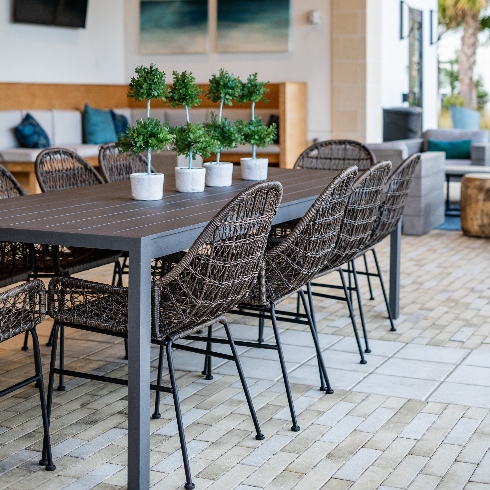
(105, 216)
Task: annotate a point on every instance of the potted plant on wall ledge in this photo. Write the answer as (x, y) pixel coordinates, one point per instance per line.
(255, 132)
(190, 139)
(223, 88)
(147, 134)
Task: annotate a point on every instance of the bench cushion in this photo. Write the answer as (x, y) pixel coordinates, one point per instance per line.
(67, 127)
(30, 134)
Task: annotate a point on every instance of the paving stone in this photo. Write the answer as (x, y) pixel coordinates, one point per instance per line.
(425, 482)
(266, 450)
(441, 460)
(89, 448)
(342, 429)
(462, 394)
(457, 476)
(188, 417)
(356, 466)
(462, 431)
(334, 414)
(482, 472)
(95, 477)
(174, 460)
(406, 471)
(475, 449)
(418, 426)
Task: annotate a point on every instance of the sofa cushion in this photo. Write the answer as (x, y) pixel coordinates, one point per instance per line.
(85, 150)
(8, 121)
(98, 126)
(477, 136)
(121, 123)
(454, 150)
(30, 134)
(67, 127)
(20, 154)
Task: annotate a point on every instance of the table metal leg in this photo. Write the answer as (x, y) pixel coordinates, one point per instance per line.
(139, 371)
(395, 250)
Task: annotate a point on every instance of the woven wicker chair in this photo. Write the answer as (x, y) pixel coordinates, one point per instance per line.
(117, 166)
(16, 259)
(357, 226)
(389, 214)
(59, 169)
(291, 264)
(21, 309)
(209, 281)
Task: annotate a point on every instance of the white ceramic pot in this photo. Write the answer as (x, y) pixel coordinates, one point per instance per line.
(147, 187)
(254, 168)
(190, 179)
(218, 175)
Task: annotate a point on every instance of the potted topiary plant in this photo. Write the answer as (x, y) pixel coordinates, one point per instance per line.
(255, 132)
(190, 139)
(147, 134)
(223, 88)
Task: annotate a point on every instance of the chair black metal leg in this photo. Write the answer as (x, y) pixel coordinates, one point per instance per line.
(188, 484)
(119, 273)
(371, 295)
(47, 458)
(321, 365)
(312, 313)
(208, 367)
(156, 413)
(49, 343)
(297, 306)
(52, 366)
(361, 310)
(259, 436)
(387, 303)
(352, 318)
(26, 339)
(61, 385)
(295, 427)
(260, 340)
(125, 348)
(114, 275)
(349, 276)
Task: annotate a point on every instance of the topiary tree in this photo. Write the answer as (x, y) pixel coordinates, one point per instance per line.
(255, 132)
(148, 134)
(184, 92)
(226, 134)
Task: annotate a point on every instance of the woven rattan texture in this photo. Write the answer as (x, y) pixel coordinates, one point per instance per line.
(16, 259)
(61, 168)
(303, 252)
(336, 155)
(116, 166)
(393, 200)
(209, 281)
(22, 308)
(360, 215)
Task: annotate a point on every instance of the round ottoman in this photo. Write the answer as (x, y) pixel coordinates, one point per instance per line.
(475, 205)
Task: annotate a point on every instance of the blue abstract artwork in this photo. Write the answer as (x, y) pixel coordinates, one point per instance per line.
(253, 26)
(173, 26)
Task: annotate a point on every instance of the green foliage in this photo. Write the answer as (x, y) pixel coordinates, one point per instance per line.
(147, 134)
(252, 90)
(256, 133)
(451, 74)
(225, 133)
(148, 84)
(482, 96)
(184, 92)
(192, 140)
(453, 100)
(224, 87)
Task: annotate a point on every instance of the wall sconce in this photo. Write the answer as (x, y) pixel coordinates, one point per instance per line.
(314, 17)
(434, 25)
(404, 20)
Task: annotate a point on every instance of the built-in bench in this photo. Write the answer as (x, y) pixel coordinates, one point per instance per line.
(58, 108)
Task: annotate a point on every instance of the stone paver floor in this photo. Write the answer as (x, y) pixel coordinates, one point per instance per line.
(415, 416)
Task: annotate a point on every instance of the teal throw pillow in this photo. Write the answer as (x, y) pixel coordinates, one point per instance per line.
(98, 126)
(30, 134)
(121, 123)
(455, 150)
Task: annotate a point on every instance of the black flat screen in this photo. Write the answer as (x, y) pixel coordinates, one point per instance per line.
(65, 13)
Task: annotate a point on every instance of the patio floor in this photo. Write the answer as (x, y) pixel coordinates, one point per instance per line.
(415, 416)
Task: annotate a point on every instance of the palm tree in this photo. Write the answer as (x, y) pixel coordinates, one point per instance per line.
(465, 14)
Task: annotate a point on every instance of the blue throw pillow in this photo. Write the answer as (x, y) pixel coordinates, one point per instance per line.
(121, 123)
(98, 126)
(455, 150)
(30, 134)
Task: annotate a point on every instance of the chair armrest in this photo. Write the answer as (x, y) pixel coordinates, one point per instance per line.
(480, 154)
(22, 308)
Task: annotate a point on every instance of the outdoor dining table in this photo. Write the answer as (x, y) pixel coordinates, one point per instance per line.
(105, 216)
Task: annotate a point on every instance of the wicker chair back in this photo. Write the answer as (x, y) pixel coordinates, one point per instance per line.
(218, 269)
(9, 187)
(61, 168)
(393, 199)
(117, 166)
(303, 252)
(360, 214)
(336, 155)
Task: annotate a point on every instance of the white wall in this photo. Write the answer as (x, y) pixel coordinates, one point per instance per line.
(46, 54)
(395, 60)
(307, 61)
